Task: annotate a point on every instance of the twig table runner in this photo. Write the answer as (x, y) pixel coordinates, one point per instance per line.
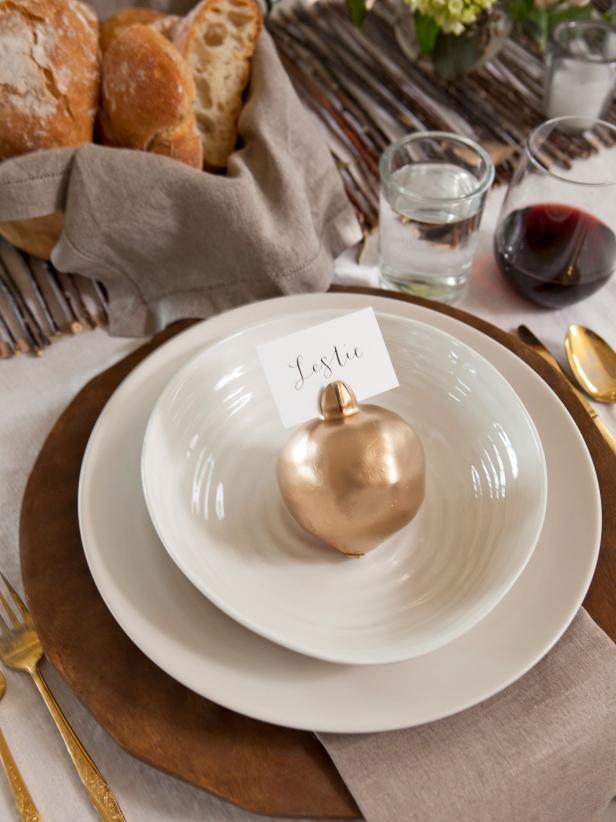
(39, 304)
(367, 93)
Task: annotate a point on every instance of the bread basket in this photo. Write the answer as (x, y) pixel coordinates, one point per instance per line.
(171, 241)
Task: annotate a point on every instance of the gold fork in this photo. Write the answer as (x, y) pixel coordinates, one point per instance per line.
(25, 804)
(21, 649)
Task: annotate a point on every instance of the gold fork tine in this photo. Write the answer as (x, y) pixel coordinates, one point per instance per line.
(4, 628)
(21, 605)
(9, 612)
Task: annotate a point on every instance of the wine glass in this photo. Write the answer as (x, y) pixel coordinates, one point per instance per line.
(555, 241)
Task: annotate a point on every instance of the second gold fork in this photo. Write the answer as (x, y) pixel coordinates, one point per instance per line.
(21, 649)
(25, 804)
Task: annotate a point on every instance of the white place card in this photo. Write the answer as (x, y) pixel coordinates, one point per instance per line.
(350, 348)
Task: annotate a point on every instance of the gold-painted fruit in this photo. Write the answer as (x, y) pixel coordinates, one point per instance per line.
(355, 477)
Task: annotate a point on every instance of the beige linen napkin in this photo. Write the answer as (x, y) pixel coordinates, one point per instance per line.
(169, 241)
(543, 750)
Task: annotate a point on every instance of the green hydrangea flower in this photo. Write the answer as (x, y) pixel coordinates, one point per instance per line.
(452, 16)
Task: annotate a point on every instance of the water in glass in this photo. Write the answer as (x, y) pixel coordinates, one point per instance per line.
(428, 246)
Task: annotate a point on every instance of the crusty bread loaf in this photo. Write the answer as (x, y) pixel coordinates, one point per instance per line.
(122, 19)
(49, 74)
(218, 39)
(147, 99)
(36, 236)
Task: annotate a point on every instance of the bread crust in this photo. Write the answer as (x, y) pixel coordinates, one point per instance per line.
(147, 97)
(36, 236)
(114, 24)
(218, 39)
(183, 144)
(49, 74)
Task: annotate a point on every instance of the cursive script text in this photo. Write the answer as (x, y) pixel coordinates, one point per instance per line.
(325, 365)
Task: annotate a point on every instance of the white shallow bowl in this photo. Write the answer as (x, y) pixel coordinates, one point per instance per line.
(209, 478)
(197, 644)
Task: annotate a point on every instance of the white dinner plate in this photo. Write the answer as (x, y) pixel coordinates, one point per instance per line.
(209, 478)
(197, 644)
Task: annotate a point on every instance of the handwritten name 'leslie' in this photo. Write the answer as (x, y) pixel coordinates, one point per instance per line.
(325, 365)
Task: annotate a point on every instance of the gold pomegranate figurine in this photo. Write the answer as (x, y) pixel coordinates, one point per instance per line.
(354, 477)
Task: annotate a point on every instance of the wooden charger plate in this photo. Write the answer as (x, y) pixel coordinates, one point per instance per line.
(262, 767)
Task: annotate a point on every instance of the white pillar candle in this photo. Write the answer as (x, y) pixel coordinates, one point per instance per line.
(578, 88)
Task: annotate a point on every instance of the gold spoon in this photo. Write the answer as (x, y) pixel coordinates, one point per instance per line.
(23, 800)
(593, 363)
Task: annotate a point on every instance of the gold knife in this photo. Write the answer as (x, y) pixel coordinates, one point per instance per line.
(527, 336)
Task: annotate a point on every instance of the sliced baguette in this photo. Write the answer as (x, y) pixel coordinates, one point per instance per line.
(218, 39)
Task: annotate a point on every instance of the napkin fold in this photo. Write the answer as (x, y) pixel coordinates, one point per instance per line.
(543, 750)
(169, 241)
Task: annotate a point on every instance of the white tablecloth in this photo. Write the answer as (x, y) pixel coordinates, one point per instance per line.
(33, 393)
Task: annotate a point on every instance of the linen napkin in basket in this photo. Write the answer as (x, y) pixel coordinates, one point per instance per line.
(169, 241)
(543, 750)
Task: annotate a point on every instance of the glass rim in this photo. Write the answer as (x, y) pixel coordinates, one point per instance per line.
(535, 159)
(483, 184)
(580, 25)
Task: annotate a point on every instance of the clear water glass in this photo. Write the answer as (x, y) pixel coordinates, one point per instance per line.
(433, 191)
(580, 74)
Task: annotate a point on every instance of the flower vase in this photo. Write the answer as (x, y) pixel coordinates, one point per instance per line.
(454, 55)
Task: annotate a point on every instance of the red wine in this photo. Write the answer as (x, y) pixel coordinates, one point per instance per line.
(555, 254)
